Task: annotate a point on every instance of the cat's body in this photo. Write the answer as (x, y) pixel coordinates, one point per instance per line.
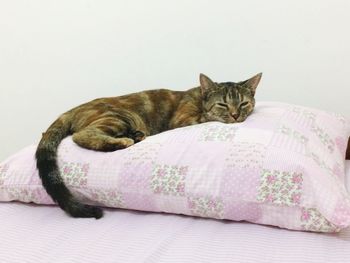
(110, 124)
(151, 111)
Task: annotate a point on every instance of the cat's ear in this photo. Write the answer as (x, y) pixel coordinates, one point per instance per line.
(206, 84)
(252, 83)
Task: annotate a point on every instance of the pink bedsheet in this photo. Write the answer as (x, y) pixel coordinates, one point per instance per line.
(30, 233)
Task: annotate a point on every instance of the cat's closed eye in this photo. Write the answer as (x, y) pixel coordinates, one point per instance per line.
(243, 104)
(222, 105)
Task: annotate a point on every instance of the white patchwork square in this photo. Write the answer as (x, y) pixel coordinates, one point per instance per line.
(172, 203)
(254, 136)
(110, 176)
(201, 182)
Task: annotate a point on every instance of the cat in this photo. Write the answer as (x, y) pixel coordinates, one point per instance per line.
(109, 124)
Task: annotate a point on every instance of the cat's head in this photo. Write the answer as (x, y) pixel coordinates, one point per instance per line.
(228, 102)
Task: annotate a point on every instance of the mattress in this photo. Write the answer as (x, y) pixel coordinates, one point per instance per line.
(32, 233)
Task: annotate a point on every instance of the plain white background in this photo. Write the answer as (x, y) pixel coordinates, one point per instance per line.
(55, 55)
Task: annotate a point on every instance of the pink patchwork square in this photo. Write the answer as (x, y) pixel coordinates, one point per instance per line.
(169, 179)
(242, 210)
(135, 180)
(240, 184)
(75, 174)
(280, 187)
(206, 206)
(139, 202)
(3, 173)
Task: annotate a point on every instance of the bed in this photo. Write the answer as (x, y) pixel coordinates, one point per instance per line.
(33, 233)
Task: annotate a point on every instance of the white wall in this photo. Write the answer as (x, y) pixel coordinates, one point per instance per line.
(57, 54)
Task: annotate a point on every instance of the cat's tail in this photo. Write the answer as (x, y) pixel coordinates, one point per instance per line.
(46, 162)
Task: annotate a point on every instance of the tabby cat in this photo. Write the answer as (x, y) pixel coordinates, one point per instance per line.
(109, 124)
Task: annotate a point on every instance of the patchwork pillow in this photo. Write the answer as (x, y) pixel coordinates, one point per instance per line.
(283, 166)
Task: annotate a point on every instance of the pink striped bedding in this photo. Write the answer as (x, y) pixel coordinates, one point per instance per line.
(30, 233)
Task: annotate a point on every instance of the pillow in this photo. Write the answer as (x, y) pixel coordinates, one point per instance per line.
(283, 166)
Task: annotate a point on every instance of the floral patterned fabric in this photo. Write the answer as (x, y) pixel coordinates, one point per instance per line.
(283, 166)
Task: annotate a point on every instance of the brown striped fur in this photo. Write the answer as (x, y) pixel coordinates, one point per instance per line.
(109, 124)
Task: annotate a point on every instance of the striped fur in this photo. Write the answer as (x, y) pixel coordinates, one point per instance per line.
(109, 124)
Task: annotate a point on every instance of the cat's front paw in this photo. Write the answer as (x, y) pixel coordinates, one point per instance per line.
(138, 136)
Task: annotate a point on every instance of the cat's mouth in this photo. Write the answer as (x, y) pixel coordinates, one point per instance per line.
(240, 118)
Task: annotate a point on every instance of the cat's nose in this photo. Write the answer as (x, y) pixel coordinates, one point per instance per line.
(235, 115)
